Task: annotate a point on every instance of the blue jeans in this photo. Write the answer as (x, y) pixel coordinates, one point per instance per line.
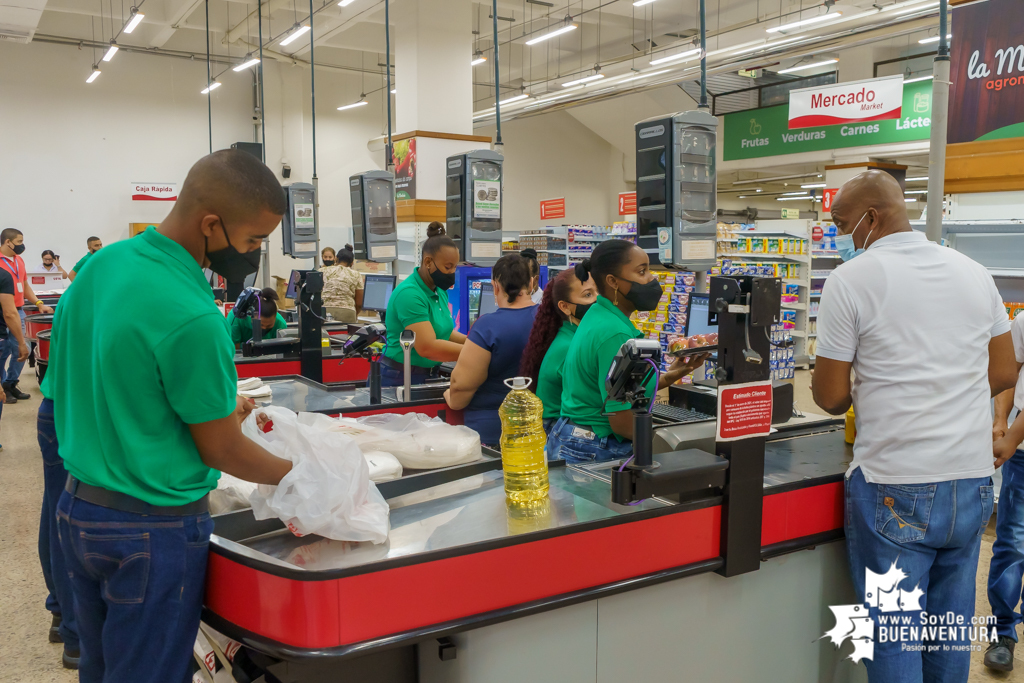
(570, 442)
(61, 599)
(1006, 573)
(9, 349)
(138, 582)
(932, 532)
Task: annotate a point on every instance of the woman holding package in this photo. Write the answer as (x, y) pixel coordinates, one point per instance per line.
(420, 303)
(591, 427)
(566, 300)
(494, 349)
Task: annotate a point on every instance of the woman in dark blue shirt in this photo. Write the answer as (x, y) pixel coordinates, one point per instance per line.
(493, 350)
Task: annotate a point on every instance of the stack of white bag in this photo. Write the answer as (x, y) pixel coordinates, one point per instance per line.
(328, 491)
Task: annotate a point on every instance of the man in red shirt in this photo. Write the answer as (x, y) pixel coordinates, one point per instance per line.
(12, 244)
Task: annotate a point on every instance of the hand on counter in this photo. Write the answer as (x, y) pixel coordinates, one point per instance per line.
(43, 308)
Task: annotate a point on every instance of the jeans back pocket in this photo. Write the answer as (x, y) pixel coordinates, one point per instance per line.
(120, 562)
(902, 512)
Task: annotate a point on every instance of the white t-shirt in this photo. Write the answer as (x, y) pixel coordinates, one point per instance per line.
(1017, 334)
(537, 296)
(916, 320)
(41, 268)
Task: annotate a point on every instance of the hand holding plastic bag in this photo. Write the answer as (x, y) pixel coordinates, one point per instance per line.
(328, 491)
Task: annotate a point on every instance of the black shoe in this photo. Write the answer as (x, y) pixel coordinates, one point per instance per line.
(55, 629)
(69, 658)
(19, 394)
(10, 399)
(999, 655)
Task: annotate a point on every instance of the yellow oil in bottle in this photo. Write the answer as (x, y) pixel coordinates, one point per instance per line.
(851, 426)
(522, 445)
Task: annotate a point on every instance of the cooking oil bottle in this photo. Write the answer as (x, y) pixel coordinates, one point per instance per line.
(851, 426)
(522, 444)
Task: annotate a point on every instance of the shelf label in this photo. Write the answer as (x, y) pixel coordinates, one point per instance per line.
(744, 410)
(552, 208)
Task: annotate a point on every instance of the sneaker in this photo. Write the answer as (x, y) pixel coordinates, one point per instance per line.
(999, 655)
(54, 624)
(69, 658)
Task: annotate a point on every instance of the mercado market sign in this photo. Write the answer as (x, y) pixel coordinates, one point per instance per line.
(765, 132)
(986, 98)
(876, 99)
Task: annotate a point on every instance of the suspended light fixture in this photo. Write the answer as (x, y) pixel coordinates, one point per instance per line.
(95, 74)
(247, 62)
(136, 19)
(111, 51)
(806, 22)
(812, 186)
(794, 199)
(934, 39)
(793, 194)
(586, 79)
(804, 67)
(641, 3)
(213, 86)
(478, 58)
(765, 46)
(345, 3)
(689, 54)
(914, 180)
(362, 101)
(557, 32)
(297, 33)
(517, 98)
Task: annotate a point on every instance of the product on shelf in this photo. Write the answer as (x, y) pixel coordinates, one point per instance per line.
(1012, 308)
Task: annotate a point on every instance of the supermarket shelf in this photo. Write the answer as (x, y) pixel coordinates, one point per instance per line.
(793, 281)
(833, 256)
(771, 233)
(798, 333)
(745, 257)
(795, 307)
(816, 295)
(812, 335)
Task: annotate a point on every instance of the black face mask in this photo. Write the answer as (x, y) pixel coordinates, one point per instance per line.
(645, 296)
(581, 310)
(231, 264)
(441, 279)
(18, 249)
(328, 263)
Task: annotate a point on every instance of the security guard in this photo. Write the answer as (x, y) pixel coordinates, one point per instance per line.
(591, 428)
(146, 413)
(420, 303)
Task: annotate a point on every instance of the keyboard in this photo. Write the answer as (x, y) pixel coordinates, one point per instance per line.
(676, 414)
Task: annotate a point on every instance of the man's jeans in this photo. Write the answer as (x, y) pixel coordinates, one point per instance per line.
(1006, 573)
(9, 350)
(61, 599)
(932, 533)
(574, 444)
(138, 582)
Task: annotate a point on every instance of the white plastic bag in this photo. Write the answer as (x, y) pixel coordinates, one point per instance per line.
(383, 466)
(328, 491)
(419, 442)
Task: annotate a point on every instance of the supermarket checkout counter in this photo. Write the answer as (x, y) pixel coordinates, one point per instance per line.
(467, 588)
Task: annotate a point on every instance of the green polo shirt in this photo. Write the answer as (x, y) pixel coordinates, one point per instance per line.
(413, 302)
(241, 330)
(131, 367)
(602, 332)
(81, 263)
(549, 378)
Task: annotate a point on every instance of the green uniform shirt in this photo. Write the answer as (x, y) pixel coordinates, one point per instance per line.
(602, 332)
(413, 302)
(549, 378)
(131, 368)
(241, 330)
(81, 263)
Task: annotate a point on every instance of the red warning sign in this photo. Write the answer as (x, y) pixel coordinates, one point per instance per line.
(744, 410)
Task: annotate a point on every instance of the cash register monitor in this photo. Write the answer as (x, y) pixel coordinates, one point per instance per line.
(697, 316)
(377, 291)
(487, 303)
(293, 284)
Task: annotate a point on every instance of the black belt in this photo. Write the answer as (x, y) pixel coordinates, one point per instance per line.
(414, 369)
(125, 503)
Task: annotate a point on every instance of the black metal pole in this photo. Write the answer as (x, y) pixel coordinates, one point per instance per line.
(943, 29)
(263, 113)
(703, 57)
(497, 75)
(390, 157)
(209, 93)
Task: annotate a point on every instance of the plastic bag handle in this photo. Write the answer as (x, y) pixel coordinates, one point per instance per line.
(529, 381)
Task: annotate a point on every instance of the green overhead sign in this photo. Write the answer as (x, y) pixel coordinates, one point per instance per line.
(765, 132)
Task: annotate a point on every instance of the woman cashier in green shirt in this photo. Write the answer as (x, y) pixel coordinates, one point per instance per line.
(566, 300)
(420, 304)
(270, 320)
(591, 427)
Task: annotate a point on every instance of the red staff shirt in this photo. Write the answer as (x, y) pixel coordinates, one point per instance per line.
(16, 267)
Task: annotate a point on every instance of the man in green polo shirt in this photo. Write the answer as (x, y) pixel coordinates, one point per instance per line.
(143, 390)
(94, 244)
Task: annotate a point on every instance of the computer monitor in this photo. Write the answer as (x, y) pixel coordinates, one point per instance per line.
(293, 285)
(697, 316)
(377, 291)
(487, 304)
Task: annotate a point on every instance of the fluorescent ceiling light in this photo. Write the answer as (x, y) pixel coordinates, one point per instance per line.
(910, 200)
(517, 98)
(916, 192)
(213, 86)
(641, 3)
(246, 64)
(360, 103)
(134, 21)
(765, 46)
(812, 186)
(918, 79)
(345, 3)
(478, 60)
(790, 194)
(556, 32)
(911, 180)
(394, 90)
(804, 67)
(586, 79)
(111, 51)
(300, 31)
(792, 199)
(806, 22)
(689, 54)
(94, 75)
(934, 39)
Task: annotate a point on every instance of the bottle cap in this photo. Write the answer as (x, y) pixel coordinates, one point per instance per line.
(518, 382)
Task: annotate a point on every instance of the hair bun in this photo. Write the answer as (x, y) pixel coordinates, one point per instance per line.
(268, 294)
(348, 247)
(436, 228)
(582, 270)
(529, 252)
